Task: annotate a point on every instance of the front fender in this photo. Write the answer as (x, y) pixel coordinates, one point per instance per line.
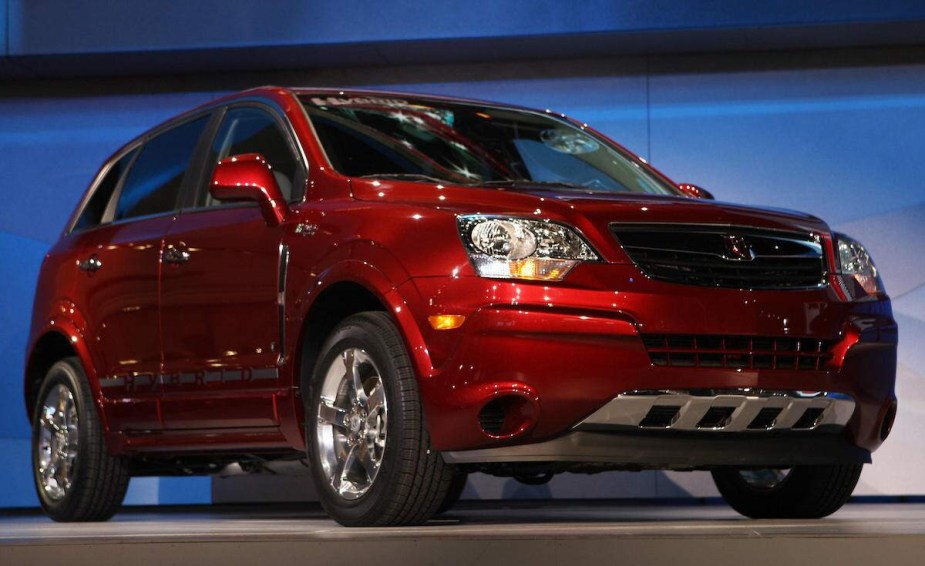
(393, 298)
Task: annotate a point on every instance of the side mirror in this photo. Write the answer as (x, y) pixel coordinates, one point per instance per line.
(249, 177)
(694, 191)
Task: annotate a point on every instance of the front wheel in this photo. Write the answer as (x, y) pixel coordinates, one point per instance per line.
(76, 478)
(367, 441)
(801, 492)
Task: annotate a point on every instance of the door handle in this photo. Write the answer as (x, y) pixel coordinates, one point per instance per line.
(174, 255)
(91, 264)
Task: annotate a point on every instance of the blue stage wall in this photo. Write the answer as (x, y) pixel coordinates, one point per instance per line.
(47, 27)
(843, 143)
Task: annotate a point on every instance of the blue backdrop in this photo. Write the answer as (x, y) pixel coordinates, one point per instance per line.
(843, 142)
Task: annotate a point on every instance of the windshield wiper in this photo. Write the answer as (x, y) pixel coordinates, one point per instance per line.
(406, 177)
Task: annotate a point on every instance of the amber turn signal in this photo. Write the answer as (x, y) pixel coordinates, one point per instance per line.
(446, 321)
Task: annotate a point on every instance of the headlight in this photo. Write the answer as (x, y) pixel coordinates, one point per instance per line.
(856, 269)
(520, 248)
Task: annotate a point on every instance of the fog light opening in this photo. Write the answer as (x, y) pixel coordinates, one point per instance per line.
(887, 426)
(506, 416)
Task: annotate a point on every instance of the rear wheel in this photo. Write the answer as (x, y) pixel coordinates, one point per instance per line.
(806, 492)
(367, 442)
(457, 485)
(76, 478)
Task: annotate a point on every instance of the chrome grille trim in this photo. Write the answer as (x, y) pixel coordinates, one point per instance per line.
(630, 410)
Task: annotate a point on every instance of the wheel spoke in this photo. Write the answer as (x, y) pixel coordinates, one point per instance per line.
(370, 466)
(376, 399)
(330, 414)
(50, 473)
(49, 419)
(342, 481)
(353, 375)
(768, 478)
(62, 405)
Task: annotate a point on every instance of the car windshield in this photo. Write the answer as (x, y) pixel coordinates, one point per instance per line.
(470, 144)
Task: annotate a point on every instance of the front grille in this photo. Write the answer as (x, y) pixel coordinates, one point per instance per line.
(737, 352)
(717, 256)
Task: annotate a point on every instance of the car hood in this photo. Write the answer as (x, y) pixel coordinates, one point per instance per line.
(580, 207)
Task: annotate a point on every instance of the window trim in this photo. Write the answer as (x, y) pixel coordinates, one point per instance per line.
(109, 216)
(136, 145)
(285, 128)
(215, 109)
(71, 227)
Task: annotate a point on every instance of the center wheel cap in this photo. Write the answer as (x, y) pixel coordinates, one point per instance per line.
(356, 422)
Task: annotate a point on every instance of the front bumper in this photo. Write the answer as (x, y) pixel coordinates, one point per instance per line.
(564, 353)
(723, 411)
(678, 451)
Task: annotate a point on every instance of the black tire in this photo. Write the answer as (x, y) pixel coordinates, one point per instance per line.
(806, 492)
(411, 480)
(98, 481)
(457, 485)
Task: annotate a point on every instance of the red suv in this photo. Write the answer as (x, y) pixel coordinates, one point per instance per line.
(404, 289)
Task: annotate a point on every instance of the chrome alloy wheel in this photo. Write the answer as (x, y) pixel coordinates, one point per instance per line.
(764, 479)
(57, 442)
(352, 416)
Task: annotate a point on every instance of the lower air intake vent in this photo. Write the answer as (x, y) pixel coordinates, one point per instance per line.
(737, 352)
(660, 416)
(765, 418)
(809, 418)
(491, 418)
(716, 417)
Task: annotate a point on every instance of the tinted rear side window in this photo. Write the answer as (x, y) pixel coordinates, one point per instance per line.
(154, 182)
(92, 214)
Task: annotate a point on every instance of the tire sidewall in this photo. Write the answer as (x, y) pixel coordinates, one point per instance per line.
(807, 492)
(357, 335)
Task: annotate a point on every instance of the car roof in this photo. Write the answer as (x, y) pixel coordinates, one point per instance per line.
(375, 93)
(277, 94)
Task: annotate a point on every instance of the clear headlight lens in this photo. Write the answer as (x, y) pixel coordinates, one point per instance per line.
(521, 248)
(856, 269)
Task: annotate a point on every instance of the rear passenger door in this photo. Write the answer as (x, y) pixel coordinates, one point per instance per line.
(222, 286)
(121, 231)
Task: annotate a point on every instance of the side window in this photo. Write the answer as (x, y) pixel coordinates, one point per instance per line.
(251, 130)
(154, 182)
(93, 212)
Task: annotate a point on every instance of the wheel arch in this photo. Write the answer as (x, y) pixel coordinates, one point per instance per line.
(350, 288)
(333, 304)
(52, 346)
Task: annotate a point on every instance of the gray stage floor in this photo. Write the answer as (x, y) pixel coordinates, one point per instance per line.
(485, 533)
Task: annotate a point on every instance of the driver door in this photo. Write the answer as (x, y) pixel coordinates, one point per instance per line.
(220, 291)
